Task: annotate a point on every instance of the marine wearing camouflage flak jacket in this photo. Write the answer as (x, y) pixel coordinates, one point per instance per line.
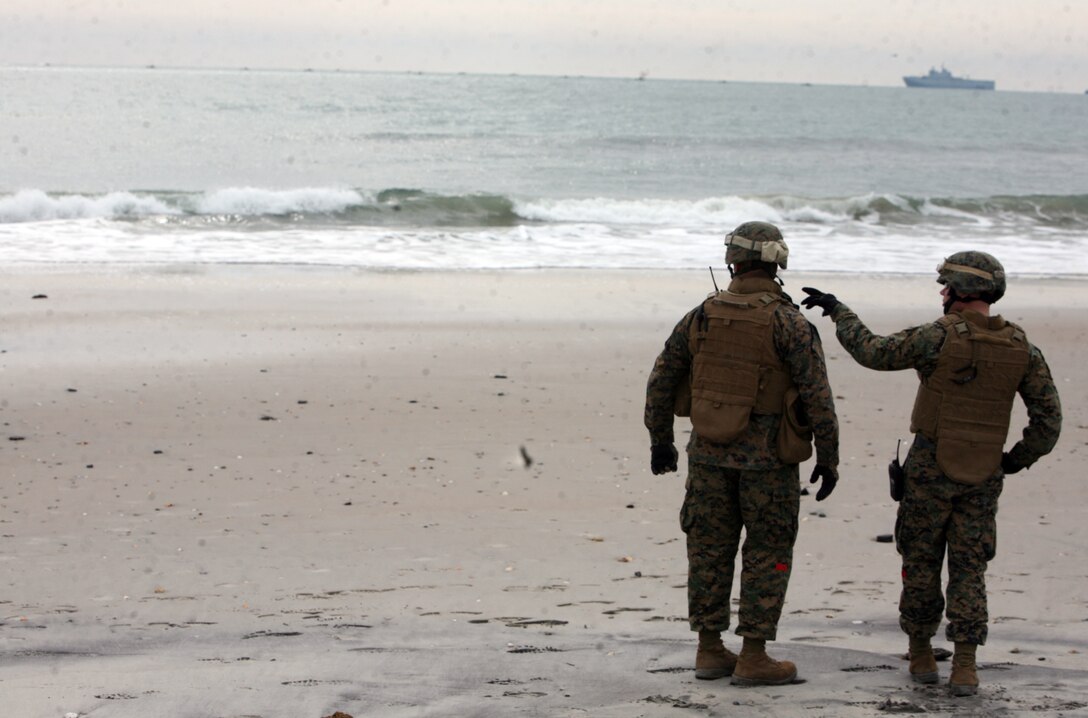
(749, 370)
(971, 364)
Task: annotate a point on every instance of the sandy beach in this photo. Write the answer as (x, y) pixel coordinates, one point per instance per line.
(284, 493)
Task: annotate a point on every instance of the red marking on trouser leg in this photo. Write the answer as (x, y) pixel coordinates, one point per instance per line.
(781, 567)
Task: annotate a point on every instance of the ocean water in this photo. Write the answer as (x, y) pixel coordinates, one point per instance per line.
(459, 172)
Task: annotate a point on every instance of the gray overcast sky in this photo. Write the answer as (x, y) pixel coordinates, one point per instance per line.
(1040, 45)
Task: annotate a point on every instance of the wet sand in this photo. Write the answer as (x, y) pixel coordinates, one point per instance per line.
(290, 492)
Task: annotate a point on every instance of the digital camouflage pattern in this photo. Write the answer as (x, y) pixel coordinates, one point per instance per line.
(743, 484)
(798, 345)
(936, 513)
(717, 504)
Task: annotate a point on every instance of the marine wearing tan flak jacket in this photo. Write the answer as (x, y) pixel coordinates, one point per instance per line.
(971, 366)
(749, 370)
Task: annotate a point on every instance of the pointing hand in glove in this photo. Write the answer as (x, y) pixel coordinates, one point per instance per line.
(816, 298)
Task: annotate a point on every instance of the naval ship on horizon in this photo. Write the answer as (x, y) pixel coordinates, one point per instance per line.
(944, 79)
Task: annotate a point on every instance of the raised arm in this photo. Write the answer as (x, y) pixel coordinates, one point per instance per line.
(914, 348)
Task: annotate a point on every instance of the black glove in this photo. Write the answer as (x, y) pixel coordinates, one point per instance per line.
(816, 298)
(830, 478)
(1008, 465)
(663, 458)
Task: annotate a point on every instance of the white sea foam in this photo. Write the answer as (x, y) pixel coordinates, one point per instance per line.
(253, 201)
(36, 206)
(717, 212)
(813, 247)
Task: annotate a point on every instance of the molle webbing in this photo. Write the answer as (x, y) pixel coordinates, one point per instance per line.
(965, 405)
(736, 370)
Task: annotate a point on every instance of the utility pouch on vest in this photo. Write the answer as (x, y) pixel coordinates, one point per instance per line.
(896, 476)
(970, 451)
(794, 431)
(722, 398)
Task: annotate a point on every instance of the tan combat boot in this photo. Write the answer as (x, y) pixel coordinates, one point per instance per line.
(756, 668)
(964, 678)
(923, 665)
(713, 660)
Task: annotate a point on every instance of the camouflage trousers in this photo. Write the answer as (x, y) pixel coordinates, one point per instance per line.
(719, 503)
(937, 515)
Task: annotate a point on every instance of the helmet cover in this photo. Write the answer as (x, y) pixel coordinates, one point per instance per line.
(756, 242)
(973, 273)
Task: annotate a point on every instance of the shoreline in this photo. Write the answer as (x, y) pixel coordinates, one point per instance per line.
(168, 268)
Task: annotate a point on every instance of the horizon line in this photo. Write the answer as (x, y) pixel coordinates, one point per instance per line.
(641, 76)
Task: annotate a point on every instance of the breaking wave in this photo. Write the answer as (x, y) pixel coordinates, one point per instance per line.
(397, 207)
(415, 229)
(413, 207)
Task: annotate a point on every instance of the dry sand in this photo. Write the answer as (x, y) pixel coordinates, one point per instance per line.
(285, 493)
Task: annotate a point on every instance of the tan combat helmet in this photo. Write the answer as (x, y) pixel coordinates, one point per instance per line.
(756, 242)
(973, 274)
